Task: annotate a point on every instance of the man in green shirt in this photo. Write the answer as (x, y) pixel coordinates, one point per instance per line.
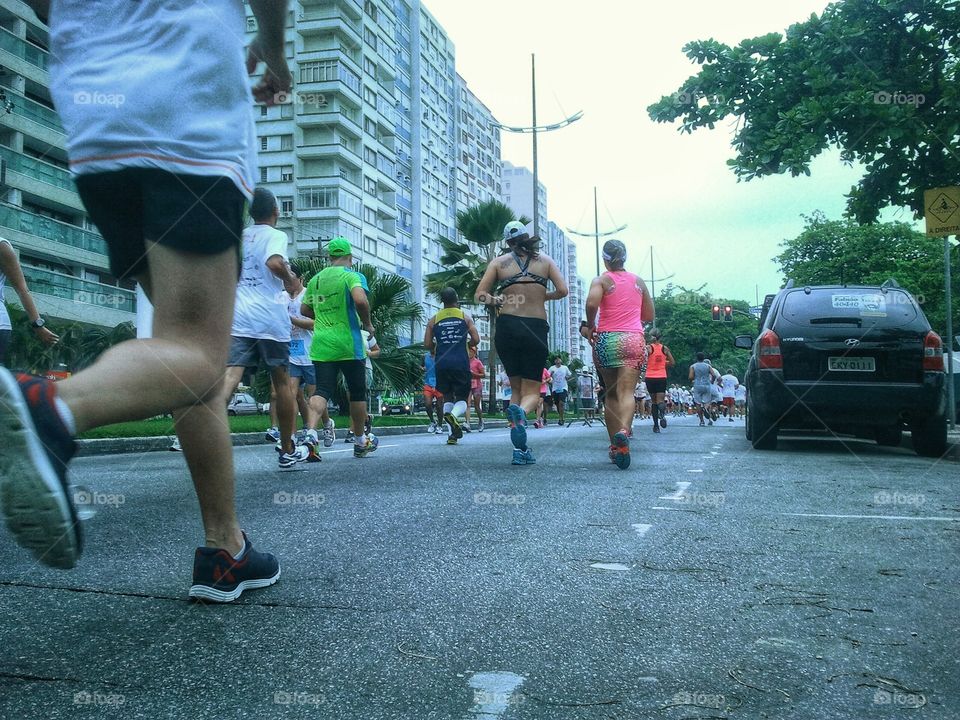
(336, 301)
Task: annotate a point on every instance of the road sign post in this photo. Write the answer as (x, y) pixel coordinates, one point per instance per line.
(942, 215)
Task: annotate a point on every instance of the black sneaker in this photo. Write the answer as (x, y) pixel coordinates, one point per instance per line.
(456, 429)
(35, 448)
(350, 439)
(219, 577)
(288, 460)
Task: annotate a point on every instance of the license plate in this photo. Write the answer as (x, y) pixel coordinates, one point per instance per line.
(851, 364)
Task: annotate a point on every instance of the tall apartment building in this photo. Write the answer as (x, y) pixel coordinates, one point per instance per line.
(479, 166)
(556, 246)
(517, 188)
(64, 259)
(579, 347)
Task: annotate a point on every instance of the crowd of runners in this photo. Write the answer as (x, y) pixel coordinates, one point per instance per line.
(168, 191)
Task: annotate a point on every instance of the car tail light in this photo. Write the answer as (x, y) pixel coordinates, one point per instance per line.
(933, 352)
(769, 357)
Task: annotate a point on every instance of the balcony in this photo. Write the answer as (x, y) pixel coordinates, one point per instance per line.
(327, 22)
(330, 150)
(49, 229)
(23, 50)
(35, 112)
(37, 169)
(84, 292)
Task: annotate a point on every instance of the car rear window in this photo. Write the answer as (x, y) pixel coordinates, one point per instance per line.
(839, 306)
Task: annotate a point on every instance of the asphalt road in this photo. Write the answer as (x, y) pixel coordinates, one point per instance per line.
(707, 581)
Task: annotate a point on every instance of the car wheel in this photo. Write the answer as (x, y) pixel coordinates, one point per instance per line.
(748, 426)
(888, 436)
(764, 431)
(232, 413)
(930, 436)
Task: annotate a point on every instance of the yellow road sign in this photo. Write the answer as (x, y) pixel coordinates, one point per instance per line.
(942, 211)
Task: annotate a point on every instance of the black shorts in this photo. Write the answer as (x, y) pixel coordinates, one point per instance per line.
(656, 386)
(522, 346)
(560, 397)
(454, 383)
(4, 343)
(192, 213)
(354, 377)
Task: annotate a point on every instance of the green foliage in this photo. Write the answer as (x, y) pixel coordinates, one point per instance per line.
(684, 317)
(79, 347)
(834, 251)
(876, 78)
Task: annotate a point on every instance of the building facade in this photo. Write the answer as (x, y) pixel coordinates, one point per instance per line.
(558, 311)
(64, 258)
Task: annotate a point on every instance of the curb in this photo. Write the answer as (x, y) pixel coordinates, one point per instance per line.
(120, 446)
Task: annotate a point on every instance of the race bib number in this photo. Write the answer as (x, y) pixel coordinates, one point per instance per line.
(297, 348)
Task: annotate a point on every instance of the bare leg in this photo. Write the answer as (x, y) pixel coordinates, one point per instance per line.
(619, 404)
(273, 406)
(180, 369)
(286, 407)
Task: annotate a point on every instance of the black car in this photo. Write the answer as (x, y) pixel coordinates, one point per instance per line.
(861, 360)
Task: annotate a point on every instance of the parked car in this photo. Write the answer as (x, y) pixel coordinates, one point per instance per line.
(850, 359)
(396, 406)
(243, 404)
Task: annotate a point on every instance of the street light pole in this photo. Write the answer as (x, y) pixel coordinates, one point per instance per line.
(536, 167)
(596, 234)
(951, 397)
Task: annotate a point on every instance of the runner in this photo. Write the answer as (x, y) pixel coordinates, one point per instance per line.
(303, 376)
(544, 406)
(183, 253)
(337, 302)
(740, 399)
(728, 386)
(261, 325)
(431, 396)
(521, 338)
(10, 268)
(702, 375)
(560, 376)
(624, 304)
(716, 395)
(373, 352)
(477, 374)
(503, 383)
(659, 359)
(447, 336)
(640, 398)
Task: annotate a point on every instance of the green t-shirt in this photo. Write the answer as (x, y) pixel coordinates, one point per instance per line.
(336, 329)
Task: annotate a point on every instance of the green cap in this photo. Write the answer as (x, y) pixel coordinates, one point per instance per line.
(339, 247)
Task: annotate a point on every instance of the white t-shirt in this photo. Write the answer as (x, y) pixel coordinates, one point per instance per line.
(730, 383)
(560, 376)
(4, 315)
(300, 338)
(154, 83)
(261, 310)
(715, 392)
(504, 391)
(640, 390)
(741, 394)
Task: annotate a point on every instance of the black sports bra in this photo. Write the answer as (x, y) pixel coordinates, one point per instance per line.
(524, 277)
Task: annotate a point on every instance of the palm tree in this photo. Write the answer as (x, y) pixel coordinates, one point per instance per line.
(482, 226)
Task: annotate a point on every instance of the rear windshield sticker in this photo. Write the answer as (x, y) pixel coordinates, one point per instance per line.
(868, 305)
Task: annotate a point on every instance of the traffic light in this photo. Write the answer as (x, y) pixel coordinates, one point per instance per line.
(716, 312)
(728, 313)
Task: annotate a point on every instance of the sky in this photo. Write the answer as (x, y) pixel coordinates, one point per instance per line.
(611, 59)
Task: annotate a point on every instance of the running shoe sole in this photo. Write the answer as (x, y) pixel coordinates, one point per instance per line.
(456, 430)
(622, 444)
(36, 506)
(205, 592)
(518, 433)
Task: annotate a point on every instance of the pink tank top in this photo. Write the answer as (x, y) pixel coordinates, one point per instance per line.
(620, 308)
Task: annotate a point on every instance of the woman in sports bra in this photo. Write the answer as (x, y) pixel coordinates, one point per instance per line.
(619, 352)
(522, 277)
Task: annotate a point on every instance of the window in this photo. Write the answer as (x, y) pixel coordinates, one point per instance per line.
(370, 186)
(370, 96)
(369, 127)
(286, 173)
(370, 156)
(370, 245)
(369, 67)
(318, 71)
(263, 111)
(318, 198)
(263, 174)
(286, 111)
(286, 142)
(263, 144)
(369, 216)
(371, 9)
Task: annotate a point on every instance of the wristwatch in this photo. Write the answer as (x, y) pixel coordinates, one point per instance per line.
(38, 323)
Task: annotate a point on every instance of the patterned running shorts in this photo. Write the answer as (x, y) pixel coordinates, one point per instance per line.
(620, 349)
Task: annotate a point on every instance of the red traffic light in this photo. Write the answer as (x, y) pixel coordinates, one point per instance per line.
(728, 313)
(716, 312)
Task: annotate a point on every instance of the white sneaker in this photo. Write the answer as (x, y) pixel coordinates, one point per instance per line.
(175, 445)
(432, 429)
(329, 433)
(301, 453)
(311, 439)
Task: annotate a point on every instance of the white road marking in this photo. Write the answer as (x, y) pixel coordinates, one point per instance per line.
(695, 470)
(874, 517)
(620, 567)
(641, 528)
(678, 494)
(492, 693)
(350, 449)
(657, 507)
